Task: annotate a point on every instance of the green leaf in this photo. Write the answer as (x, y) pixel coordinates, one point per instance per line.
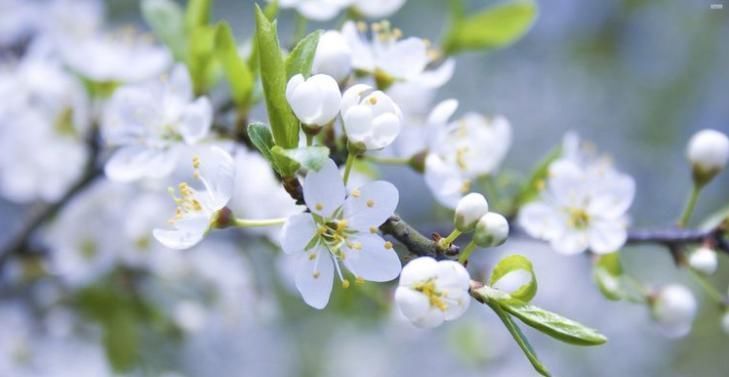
(512, 265)
(166, 19)
(197, 13)
(607, 274)
(539, 175)
(310, 158)
(301, 57)
(121, 340)
(261, 138)
(715, 218)
(491, 28)
(552, 324)
(240, 77)
(284, 125)
(520, 339)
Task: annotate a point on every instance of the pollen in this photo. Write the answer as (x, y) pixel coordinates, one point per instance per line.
(319, 206)
(312, 256)
(370, 203)
(359, 280)
(388, 245)
(315, 275)
(345, 284)
(373, 229)
(357, 245)
(466, 186)
(372, 101)
(362, 26)
(435, 297)
(356, 193)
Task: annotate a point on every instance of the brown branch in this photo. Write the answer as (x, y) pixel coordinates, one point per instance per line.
(415, 241)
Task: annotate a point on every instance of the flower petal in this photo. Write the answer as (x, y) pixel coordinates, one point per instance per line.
(314, 277)
(607, 235)
(412, 304)
(197, 118)
(570, 242)
(297, 232)
(371, 205)
(457, 302)
(188, 232)
(612, 196)
(134, 162)
(374, 261)
(418, 270)
(358, 123)
(217, 173)
(541, 220)
(324, 189)
(404, 59)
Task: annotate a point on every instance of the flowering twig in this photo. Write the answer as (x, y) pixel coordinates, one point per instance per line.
(415, 241)
(677, 237)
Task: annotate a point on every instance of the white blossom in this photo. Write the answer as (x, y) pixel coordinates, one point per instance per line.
(466, 149)
(674, 309)
(584, 205)
(725, 322)
(704, 260)
(198, 210)
(371, 119)
(708, 151)
(315, 100)
(149, 123)
(492, 229)
(430, 291)
(333, 56)
(377, 8)
(318, 10)
(341, 229)
(469, 210)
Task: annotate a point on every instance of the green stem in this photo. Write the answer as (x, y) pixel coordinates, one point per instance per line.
(348, 166)
(466, 252)
(710, 290)
(309, 139)
(690, 205)
(519, 337)
(451, 237)
(250, 223)
(389, 160)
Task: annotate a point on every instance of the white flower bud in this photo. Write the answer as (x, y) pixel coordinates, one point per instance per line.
(704, 260)
(333, 56)
(430, 292)
(469, 209)
(315, 100)
(725, 323)
(708, 151)
(492, 229)
(371, 119)
(674, 309)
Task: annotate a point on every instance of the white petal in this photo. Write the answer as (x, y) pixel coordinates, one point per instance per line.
(612, 196)
(607, 235)
(437, 77)
(570, 242)
(434, 317)
(378, 8)
(412, 304)
(385, 129)
(324, 189)
(135, 162)
(418, 270)
(217, 172)
(304, 100)
(314, 277)
(358, 123)
(362, 57)
(442, 112)
(458, 302)
(405, 59)
(329, 96)
(373, 262)
(188, 231)
(444, 181)
(371, 205)
(541, 220)
(297, 232)
(317, 10)
(196, 120)
(452, 275)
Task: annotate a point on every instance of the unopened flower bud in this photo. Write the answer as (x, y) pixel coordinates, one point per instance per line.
(333, 56)
(469, 209)
(708, 151)
(704, 260)
(315, 100)
(372, 120)
(492, 229)
(674, 309)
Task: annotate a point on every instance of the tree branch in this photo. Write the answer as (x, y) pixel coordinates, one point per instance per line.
(415, 241)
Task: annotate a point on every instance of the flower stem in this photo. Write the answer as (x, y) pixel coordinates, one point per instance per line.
(451, 237)
(309, 139)
(466, 252)
(389, 160)
(710, 290)
(348, 166)
(250, 223)
(690, 205)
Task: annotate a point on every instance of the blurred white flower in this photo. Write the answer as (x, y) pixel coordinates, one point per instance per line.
(704, 260)
(469, 210)
(148, 122)
(674, 309)
(492, 229)
(466, 149)
(315, 100)
(318, 10)
(584, 205)
(377, 8)
(708, 151)
(371, 119)
(333, 56)
(18, 19)
(386, 56)
(430, 291)
(340, 229)
(725, 322)
(198, 210)
(16, 341)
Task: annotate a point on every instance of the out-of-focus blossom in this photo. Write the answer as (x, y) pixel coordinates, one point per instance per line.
(18, 20)
(430, 292)
(333, 56)
(377, 8)
(704, 260)
(371, 119)
(674, 308)
(708, 151)
(319, 10)
(584, 205)
(315, 100)
(149, 123)
(466, 149)
(198, 210)
(340, 229)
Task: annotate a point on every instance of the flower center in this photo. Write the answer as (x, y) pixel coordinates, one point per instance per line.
(578, 218)
(435, 297)
(186, 202)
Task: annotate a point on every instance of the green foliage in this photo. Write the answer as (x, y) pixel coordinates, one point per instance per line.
(491, 28)
(607, 274)
(302, 56)
(534, 185)
(240, 77)
(284, 125)
(200, 45)
(309, 158)
(520, 339)
(514, 263)
(167, 20)
(261, 138)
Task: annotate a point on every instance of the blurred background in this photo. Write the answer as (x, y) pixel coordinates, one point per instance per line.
(637, 77)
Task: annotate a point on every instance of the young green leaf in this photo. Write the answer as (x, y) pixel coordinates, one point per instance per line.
(301, 57)
(552, 324)
(261, 138)
(520, 339)
(518, 270)
(607, 274)
(491, 28)
(534, 185)
(284, 125)
(235, 68)
(310, 158)
(197, 13)
(167, 20)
